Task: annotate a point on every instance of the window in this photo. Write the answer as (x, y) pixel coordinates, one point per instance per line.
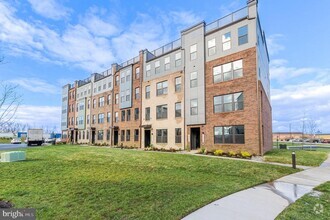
(161, 136)
(101, 101)
(178, 109)
(147, 92)
(100, 135)
(193, 79)
(95, 90)
(122, 78)
(87, 135)
(136, 135)
(109, 84)
(136, 113)
(79, 136)
(243, 35)
(228, 103)
(157, 67)
(122, 97)
(161, 112)
(229, 134)
(147, 116)
(94, 103)
(193, 107)
(148, 70)
(162, 88)
(88, 103)
(117, 80)
(178, 135)
(108, 135)
(81, 120)
(81, 106)
(108, 117)
(178, 59)
(137, 93)
(167, 63)
(109, 100)
(104, 86)
(211, 47)
(128, 95)
(117, 98)
(226, 41)
(116, 117)
(77, 108)
(99, 88)
(128, 77)
(193, 52)
(123, 116)
(94, 119)
(128, 115)
(228, 71)
(101, 118)
(122, 137)
(87, 119)
(137, 73)
(128, 135)
(178, 84)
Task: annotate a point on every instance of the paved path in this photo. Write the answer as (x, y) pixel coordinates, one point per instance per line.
(265, 201)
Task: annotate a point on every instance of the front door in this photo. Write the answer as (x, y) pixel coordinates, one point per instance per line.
(115, 138)
(147, 138)
(71, 137)
(93, 136)
(195, 136)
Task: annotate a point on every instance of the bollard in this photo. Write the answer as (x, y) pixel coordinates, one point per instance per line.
(293, 160)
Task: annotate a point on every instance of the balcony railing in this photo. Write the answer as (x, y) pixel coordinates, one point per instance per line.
(166, 48)
(235, 16)
(129, 62)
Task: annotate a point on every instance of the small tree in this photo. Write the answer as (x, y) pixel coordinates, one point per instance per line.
(312, 125)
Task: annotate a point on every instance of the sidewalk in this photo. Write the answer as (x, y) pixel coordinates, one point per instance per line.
(265, 201)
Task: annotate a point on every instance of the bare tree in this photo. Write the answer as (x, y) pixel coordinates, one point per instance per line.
(9, 103)
(312, 125)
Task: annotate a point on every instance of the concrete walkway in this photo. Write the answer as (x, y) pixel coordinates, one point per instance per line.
(265, 201)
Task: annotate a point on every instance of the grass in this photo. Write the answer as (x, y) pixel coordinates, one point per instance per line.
(306, 206)
(71, 182)
(303, 157)
(5, 140)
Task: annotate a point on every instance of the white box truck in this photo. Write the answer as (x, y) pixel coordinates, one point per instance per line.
(35, 137)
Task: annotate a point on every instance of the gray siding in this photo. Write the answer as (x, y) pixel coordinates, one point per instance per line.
(64, 115)
(194, 35)
(81, 113)
(125, 87)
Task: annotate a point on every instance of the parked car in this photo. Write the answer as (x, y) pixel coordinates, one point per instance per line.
(16, 141)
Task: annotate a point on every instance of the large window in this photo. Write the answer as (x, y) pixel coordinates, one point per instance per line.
(229, 102)
(137, 93)
(136, 134)
(148, 70)
(94, 103)
(108, 117)
(108, 135)
(178, 109)
(116, 117)
(178, 59)
(228, 71)
(147, 92)
(128, 114)
(136, 114)
(226, 41)
(128, 135)
(243, 35)
(101, 118)
(193, 107)
(157, 67)
(211, 47)
(229, 135)
(101, 101)
(161, 136)
(122, 135)
(128, 95)
(116, 98)
(122, 78)
(167, 63)
(100, 135)
(128, 77)
(137, 73)
(147, 116)
(94, 119)
(178, 135)
(123, 115)
(162, 88)
(117, 80)
(193, 52)
(193, 79)
(109, 100)
(87, 119)
(178, 84)
(161, 112)
(122, 97)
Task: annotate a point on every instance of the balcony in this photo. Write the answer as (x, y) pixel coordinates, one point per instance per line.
(166, 48)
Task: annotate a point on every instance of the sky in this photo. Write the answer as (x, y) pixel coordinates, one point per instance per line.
(47, 44)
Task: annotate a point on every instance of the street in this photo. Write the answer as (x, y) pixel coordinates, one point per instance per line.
(12, 146)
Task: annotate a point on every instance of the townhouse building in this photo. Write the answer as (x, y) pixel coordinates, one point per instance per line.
(210, 88)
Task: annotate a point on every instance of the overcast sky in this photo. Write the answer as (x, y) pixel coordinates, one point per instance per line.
(49, 43)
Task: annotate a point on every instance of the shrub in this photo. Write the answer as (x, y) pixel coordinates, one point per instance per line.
(246, 154)
(201, 151)
(218, 152)
(231, 153)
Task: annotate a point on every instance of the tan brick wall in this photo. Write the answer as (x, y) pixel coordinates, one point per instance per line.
(248, 117)
(71, 113)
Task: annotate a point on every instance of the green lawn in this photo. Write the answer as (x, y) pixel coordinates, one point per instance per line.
(310, 207)
(71, 182)
(303, 157)
(5, 140)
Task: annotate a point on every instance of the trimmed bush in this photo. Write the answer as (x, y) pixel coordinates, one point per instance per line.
(246, 154)
(218, 152)
(231, 153)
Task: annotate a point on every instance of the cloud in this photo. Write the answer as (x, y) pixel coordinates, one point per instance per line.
(50, 9)
(226, 9)
(273, 45)
(39, 116)
(37, 85)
